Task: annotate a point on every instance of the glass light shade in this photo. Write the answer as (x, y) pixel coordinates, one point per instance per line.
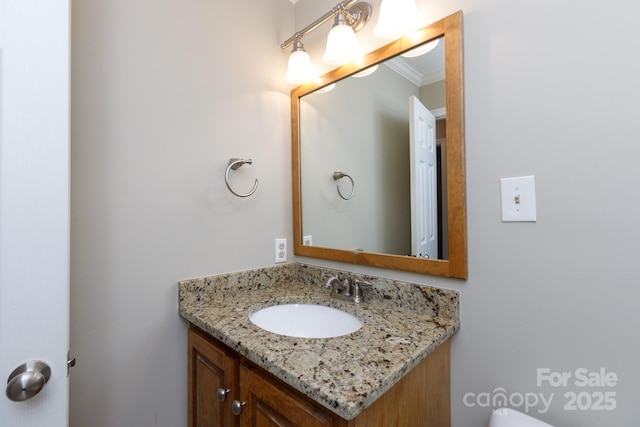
(299, 70)
(326, 88)
(421, 50)
(397, 18)
(366, 72)
(342, 46)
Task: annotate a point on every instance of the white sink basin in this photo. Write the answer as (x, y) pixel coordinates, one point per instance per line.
(305, 321)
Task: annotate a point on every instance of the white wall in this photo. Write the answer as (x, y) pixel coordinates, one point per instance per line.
(551, 90)
(164, 93)
(161, 99)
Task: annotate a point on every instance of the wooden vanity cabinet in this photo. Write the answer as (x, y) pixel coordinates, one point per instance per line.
(267, 401)
(211, 368)
(271, 404)
(420, 399)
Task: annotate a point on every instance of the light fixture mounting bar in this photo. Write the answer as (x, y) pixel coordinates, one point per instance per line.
(360, 14)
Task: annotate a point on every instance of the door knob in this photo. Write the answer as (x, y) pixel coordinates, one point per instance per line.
(27, 380)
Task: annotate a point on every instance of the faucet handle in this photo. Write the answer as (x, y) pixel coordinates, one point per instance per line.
(357, 289)
(363, 283)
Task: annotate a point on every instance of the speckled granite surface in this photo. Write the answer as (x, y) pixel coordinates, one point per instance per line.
(403, 324)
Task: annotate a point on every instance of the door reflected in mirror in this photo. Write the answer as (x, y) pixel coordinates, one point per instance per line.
(390, 136)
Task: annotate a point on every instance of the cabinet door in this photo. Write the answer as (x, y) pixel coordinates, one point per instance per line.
(211, 369)
(269, 404)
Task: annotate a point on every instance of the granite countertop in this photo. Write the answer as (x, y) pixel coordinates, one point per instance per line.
(403, 324)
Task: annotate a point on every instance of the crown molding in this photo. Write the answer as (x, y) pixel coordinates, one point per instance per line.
(413, 75)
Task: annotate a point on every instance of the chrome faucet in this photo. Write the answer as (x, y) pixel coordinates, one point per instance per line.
(345, 290)
(339, 288)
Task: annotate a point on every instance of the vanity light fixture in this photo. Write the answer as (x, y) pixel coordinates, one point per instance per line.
(342, 46)
(300, 69)
(397, 19)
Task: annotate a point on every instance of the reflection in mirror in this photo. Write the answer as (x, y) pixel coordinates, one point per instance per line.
(392, 132)
(362, 128)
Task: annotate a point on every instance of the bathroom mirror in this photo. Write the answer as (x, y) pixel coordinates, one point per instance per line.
(357, 198)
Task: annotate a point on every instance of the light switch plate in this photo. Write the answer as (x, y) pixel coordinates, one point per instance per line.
(518, 199)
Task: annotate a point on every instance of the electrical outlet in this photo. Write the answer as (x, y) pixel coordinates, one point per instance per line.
(307, 240)
(281, 250)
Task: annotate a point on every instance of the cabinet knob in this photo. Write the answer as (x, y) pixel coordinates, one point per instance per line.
(222, 394)
(236, 407)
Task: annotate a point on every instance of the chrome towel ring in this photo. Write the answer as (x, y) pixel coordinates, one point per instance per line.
(235, 164)
(340, 175)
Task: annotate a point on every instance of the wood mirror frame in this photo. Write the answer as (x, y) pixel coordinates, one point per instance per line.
(456, 264)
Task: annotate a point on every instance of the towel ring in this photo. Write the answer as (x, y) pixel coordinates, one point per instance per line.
(339, 175)
(235, 164)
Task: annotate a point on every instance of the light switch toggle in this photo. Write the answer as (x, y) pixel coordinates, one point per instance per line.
(518, 199)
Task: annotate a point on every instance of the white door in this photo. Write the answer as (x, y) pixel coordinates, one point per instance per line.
(424, 180)
(34, 209)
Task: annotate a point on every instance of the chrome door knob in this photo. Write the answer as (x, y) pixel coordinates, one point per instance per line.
(27, 380)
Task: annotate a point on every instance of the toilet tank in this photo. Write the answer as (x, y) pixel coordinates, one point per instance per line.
(507, 417)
